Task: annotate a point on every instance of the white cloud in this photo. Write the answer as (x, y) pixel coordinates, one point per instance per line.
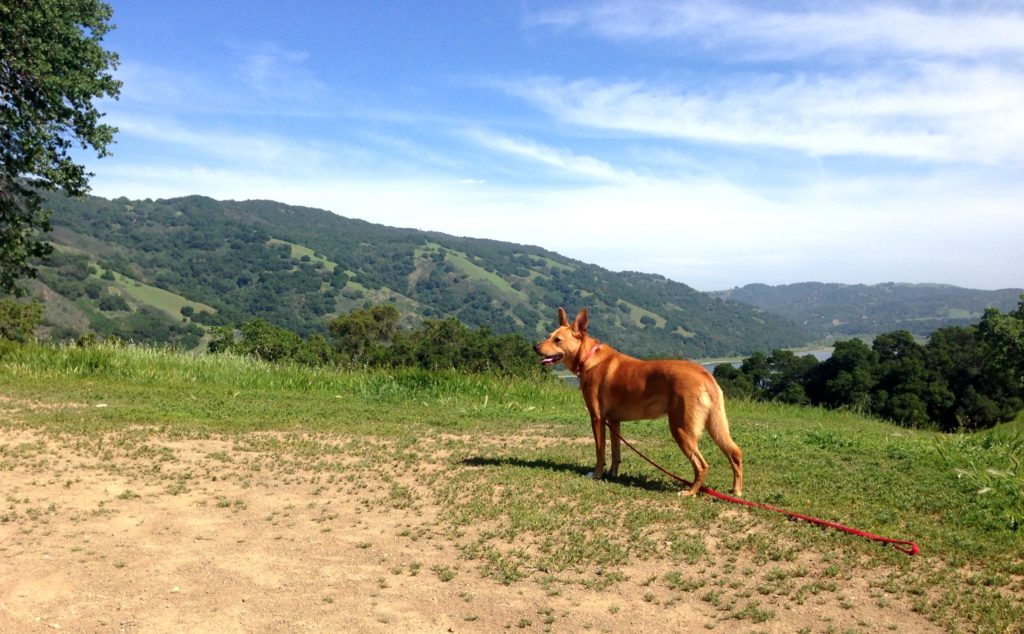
(560, 158)
(262, 79)
(932, 112)
(929, 82)
(246, 148)
(965, 29)
(277, 72)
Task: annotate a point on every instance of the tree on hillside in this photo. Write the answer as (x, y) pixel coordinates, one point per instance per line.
(358, 332)
(901, 379)
(967, 390)
(52, 69)
(789, 374)
(1004, 335)
(758, 370)
(18, 321)
(846, 378)
(264, 340)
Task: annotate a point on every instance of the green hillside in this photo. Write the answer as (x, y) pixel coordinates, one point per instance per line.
(844, 310)
(298, 267)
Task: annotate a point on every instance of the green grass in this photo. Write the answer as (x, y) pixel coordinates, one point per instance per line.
(636, 312)
(299, 250)
(225, 393)
(462, 263)
(170, 303)
(513, 498)
(553, 264)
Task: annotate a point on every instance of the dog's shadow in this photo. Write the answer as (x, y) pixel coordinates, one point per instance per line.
(635, 481)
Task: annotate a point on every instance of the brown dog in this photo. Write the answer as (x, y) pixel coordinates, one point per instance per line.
(616, 387)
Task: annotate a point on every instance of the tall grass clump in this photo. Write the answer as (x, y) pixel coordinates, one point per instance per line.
(989, 466)
(166, 368)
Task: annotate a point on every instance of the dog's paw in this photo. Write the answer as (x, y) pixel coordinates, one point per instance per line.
(593, 476)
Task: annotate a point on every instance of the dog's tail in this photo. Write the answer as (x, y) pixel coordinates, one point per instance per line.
(717, 426)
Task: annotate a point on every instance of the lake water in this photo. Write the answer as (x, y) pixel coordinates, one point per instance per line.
(820, 355)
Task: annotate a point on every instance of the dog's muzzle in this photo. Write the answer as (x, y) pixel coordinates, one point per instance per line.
(548, 359)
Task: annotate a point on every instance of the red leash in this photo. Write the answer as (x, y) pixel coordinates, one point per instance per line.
(905, 546)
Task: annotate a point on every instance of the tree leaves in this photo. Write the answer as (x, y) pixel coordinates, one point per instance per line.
(52, 71)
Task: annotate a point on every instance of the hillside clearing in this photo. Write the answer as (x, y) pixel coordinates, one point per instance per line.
(170, 303)
(299, 251)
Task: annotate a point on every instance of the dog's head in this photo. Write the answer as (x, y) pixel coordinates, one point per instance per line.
(565, 341)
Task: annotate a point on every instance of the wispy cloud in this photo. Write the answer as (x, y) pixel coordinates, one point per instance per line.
(559, 158)
(276, 72)
(931, 112)
(244, 148)
(921, 82)
(264, 79)
(958, 29)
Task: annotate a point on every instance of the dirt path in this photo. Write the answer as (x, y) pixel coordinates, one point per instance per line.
(144, 533)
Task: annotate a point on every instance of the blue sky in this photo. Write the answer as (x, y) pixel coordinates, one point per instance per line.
(716, 143)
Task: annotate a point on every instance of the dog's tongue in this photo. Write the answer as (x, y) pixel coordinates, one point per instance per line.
(548, 360)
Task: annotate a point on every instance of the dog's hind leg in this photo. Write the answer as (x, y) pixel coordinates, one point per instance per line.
(613, 427)
(718, 429)
(685, 432)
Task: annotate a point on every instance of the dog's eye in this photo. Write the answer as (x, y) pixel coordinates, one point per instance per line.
(558, 340)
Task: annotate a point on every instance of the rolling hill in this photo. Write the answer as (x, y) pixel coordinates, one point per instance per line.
(845, 310)
(166, 270)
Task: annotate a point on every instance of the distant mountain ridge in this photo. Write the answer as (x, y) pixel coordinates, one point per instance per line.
(845, 310)
(166, 270)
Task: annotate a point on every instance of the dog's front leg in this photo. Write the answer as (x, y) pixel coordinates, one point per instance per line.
(613, 428)
(598, 426)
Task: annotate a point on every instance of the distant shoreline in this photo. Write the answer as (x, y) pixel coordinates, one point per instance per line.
(819, 353)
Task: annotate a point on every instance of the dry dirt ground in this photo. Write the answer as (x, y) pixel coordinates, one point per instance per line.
(142, 532)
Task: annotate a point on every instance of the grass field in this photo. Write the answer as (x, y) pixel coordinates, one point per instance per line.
(469, 491)
(298, 251)
(462, 263)
(170, 303)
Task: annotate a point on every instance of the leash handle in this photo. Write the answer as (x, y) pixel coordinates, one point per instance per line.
(901, 545)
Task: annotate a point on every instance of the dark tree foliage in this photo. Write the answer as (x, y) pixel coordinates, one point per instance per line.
(846, 378)
(449, 344)
(900, 379)
(263, 339)
(370, 337)
(963, 378)
(1003, 334)
(52, 70)
(149, 326)
(362, 331)
(789, 376)
(734, 382)
(19, 320)
(968, 390)
(111, 302)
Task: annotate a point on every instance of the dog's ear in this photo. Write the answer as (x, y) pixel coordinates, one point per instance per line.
(580, 324)
(563, 319)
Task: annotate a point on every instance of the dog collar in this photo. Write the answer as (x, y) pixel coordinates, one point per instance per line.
(586, 357)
